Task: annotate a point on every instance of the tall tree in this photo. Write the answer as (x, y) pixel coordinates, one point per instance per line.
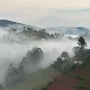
(81, 42)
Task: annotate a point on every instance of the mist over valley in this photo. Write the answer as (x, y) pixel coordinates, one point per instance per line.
(25, 49)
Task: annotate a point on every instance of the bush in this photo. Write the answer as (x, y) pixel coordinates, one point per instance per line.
(44, 88)
(79, 78)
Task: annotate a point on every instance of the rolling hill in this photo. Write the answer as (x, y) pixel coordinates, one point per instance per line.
(61, 29)
(67, 30)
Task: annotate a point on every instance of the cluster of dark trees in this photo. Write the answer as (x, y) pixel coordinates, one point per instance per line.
(61, 62)
(1, 87)
(82, 54)
(32, 61)
(65, 63)
(81, 48)
(14, 76)
(29, 64)
(37, 34)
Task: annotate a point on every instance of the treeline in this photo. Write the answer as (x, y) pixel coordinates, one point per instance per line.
(81, 58)
(41, 34)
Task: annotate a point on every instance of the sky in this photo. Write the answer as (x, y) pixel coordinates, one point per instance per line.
(47, 13)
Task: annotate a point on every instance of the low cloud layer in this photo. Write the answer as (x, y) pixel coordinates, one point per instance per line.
(13, 52)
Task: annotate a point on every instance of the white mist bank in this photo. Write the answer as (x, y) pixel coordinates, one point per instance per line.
(53, 49)
(14, 52)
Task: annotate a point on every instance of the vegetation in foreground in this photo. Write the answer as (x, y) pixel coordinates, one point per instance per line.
(78, 66)
(38, 80)
(41, 79)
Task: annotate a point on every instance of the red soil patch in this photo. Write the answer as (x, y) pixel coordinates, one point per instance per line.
(79, 71)
(55, 75)
(64, 83)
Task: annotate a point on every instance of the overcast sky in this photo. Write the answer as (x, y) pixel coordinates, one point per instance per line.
(44, 13)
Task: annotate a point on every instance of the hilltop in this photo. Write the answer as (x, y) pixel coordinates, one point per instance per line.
(60, 29)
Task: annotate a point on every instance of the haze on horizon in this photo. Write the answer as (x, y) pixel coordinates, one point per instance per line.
(44, 13)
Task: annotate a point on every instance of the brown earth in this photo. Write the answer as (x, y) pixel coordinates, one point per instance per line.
(79, 71)
(64, 82)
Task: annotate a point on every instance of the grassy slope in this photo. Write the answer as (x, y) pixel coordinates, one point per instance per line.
(43, 77)
(85, 83)
(38, 80)
(83, 75)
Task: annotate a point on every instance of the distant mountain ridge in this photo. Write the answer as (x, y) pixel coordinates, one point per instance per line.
(16, 25)
(61, 29)
(68, 30)
(5, 23)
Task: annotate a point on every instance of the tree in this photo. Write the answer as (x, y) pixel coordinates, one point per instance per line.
(81, 42)
(76, 50)
(32, 61)
(14, 76)
(1, 87)
(30, 29)
(65, 55)
(59, 60)
(35, 55)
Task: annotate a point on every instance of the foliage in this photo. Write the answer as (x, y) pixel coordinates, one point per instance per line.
(65, 55)
(38, 81)
(1, 87)
(81, 42)
(14, 76)
(62, 63)
(33, 58)
(76, 50)
(31, 62)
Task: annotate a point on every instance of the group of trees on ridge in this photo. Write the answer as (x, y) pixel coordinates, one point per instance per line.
(65, 63)
(36, 34)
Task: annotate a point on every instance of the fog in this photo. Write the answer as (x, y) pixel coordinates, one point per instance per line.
(13, 52)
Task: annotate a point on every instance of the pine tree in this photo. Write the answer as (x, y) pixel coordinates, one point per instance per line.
(81, 42)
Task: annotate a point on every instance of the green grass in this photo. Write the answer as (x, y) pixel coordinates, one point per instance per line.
(38, 80)
(84, 84)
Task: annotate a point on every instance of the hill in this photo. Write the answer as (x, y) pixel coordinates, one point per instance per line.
(16, 25)
(67, 30)
(61, 29)
(5, 23)
(51, 78)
